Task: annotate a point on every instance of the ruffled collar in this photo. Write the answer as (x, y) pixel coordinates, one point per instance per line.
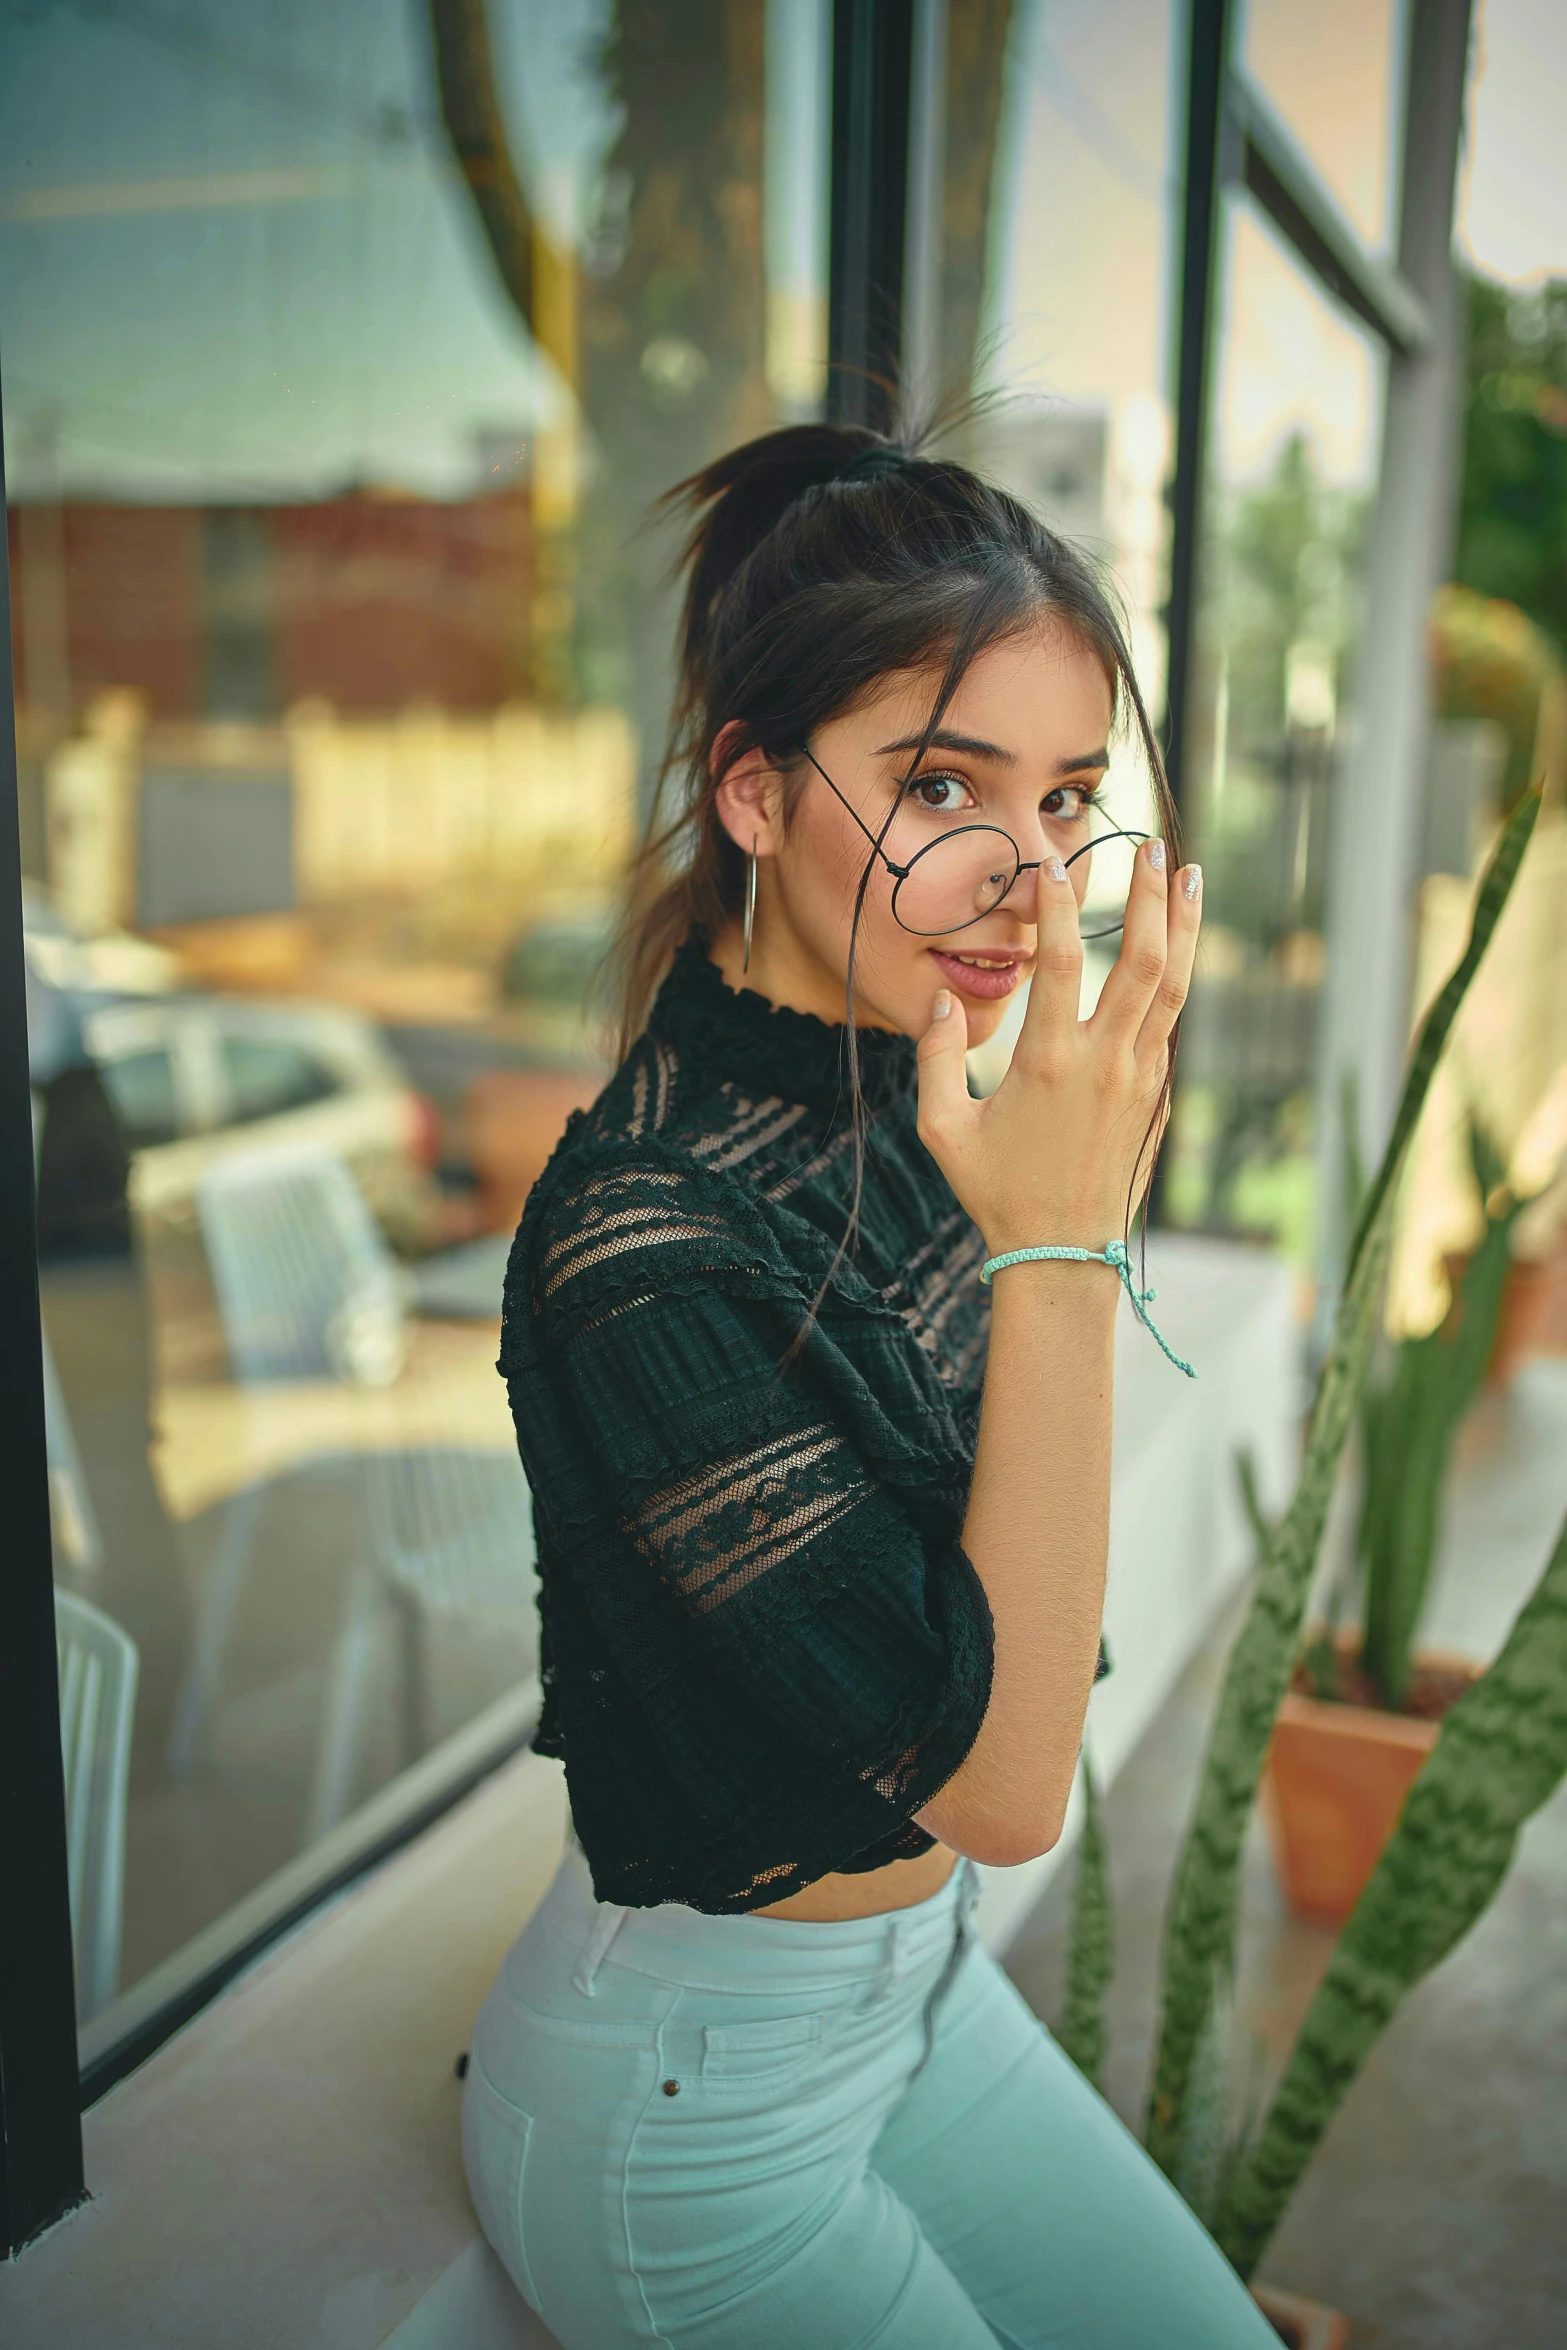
(738, 1035)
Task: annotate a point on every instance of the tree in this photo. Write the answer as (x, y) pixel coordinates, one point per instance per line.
(1512, 539)
(660, 329)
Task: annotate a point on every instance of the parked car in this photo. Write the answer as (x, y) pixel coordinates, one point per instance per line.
(90, 971)
(191, 1077)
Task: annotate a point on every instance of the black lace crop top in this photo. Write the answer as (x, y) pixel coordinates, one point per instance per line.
(763, 1647)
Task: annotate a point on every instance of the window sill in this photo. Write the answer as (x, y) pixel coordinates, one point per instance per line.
(288, 2167)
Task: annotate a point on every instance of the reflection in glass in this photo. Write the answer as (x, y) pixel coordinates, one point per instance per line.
(1293, 459)
(339, 667)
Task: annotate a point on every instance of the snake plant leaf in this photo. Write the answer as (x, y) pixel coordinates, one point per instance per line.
(1501, 1752)
(1201, 2164)
(1251, 1497)
(1091, 1961)
(1199, 1938)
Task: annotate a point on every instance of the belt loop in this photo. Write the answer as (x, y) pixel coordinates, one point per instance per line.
(594, 1950)
(891, 1963)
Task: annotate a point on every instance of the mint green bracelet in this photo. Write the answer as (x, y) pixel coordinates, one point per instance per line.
(1116, 1258)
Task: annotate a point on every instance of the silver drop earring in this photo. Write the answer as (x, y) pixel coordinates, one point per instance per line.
(750, 904)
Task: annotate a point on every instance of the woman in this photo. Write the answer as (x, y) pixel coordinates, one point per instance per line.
(822, 1520)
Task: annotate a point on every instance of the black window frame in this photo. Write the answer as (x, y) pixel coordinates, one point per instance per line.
(1230, 137)
(40, 2127)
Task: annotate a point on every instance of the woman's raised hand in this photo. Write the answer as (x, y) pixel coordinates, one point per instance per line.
(1064, 1146)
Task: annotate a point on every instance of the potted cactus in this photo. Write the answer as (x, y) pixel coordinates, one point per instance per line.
(1500, 1751)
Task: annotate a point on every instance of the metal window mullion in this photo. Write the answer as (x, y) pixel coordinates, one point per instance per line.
(1208, 35)
(872, 72)
(1266, 161)
(926, 183)
(40, 2123)
(1377, 791)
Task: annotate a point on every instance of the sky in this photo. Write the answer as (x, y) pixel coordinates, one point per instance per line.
(1512, 208)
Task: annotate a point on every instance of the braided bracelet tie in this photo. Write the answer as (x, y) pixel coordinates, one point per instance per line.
(1116, 1258)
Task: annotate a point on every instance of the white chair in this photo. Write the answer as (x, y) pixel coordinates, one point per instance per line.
(306, 1286)
(98, 1668)
(448, 1535)
(71, 1515)
(72, 1521)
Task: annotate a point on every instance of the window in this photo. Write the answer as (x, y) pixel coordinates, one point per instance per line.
(1332, 73)
(339, 671)
(1292, 465)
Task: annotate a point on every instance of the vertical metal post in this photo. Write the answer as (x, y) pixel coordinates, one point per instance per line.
(872, 66)
(40, 2126)
(920, 361)
(1374, 833)
(1207, 60)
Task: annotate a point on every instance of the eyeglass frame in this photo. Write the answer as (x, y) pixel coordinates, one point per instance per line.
(1021, 865)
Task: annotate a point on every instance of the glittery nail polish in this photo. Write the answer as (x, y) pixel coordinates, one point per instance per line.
(1191, 880)
(1156, 855)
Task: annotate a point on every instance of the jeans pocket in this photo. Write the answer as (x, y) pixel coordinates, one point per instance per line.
(759, 2054)
(495, 2140)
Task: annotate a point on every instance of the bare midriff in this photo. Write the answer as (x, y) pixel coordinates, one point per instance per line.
(897, 1886)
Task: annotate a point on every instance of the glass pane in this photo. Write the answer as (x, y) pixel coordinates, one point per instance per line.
(1333, 75)
(339, 664)
(1068, 347)
(1292, 464)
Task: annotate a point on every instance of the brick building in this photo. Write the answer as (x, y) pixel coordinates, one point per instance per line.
(369, 601)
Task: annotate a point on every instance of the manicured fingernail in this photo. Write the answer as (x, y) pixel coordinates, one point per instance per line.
(1156, 855)
(1055, 869)
(942, 1005)
(1191, 880)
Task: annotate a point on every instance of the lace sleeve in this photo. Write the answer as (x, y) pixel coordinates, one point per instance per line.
(806, 1646)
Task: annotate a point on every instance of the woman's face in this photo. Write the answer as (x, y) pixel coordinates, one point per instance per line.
(1023, 745)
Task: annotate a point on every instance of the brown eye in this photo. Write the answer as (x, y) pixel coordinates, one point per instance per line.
(942, 794)
(1068, 802)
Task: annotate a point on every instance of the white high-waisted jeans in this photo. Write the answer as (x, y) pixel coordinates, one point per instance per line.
(755, 2133)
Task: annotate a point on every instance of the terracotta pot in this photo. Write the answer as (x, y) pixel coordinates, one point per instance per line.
(1533, 1319)
(1304, 2325)
(1334, 1785)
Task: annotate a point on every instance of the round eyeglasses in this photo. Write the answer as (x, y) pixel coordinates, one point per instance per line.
(965, 874)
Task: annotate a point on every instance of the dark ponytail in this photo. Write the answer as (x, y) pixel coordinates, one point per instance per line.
(818, 560)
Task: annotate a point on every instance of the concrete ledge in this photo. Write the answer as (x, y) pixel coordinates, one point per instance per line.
(287, 2170)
